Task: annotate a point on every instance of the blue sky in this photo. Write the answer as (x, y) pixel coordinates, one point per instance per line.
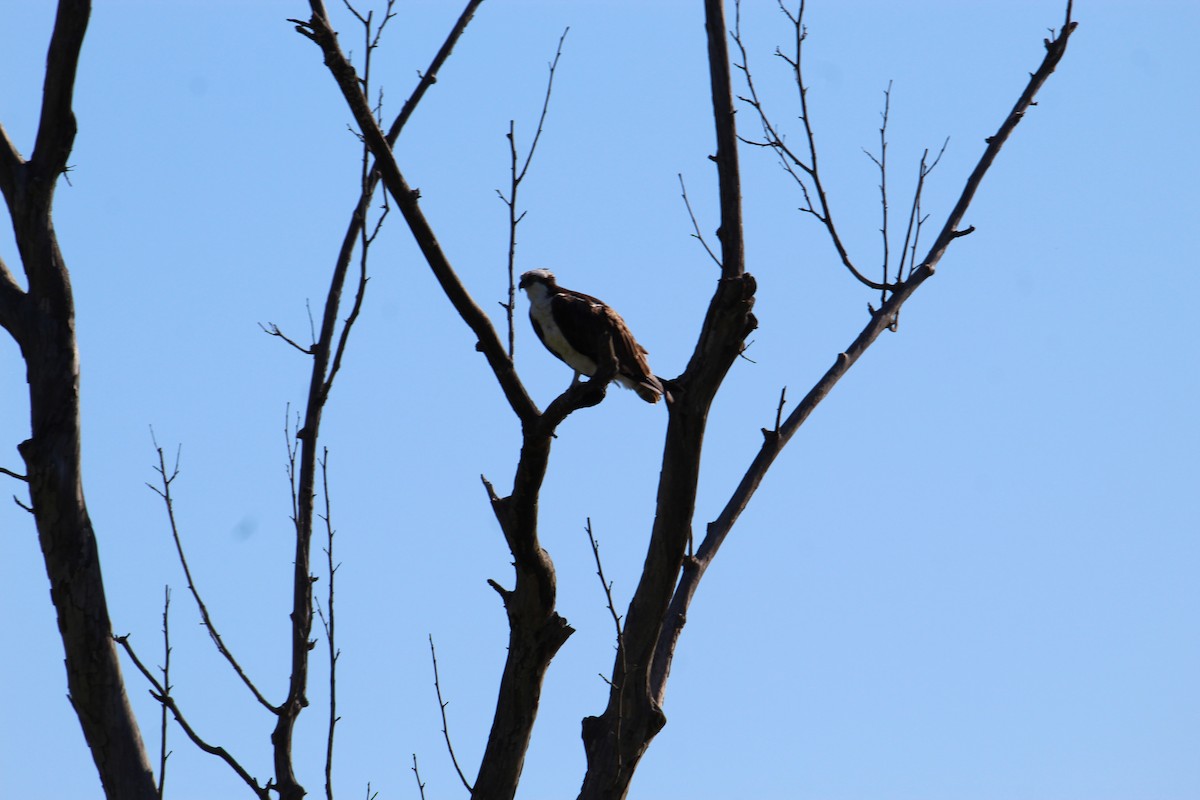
(973, 572)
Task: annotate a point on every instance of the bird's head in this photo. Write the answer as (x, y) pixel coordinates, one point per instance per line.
(535, 277)
(539, 284)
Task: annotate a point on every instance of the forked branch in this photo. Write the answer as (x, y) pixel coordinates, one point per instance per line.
(319, 29)
(880, 321)
(517, 174)
(162, 694)
(803, 167)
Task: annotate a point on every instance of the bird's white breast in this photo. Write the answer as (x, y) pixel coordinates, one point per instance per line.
(540, 311)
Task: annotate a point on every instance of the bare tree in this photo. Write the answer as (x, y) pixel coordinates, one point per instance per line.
(40, 319)
(616, 739)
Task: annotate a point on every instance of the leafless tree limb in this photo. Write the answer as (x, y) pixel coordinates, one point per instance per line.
(437, 685)
(880, 321)
(518, 175)
(803, 169)
(606, 585)
(695, 225)
(164, 491)
(537, 631)
(272, 329)
(328, 351)
(328, 621)
(161, 694)
(41, 321)
(319, 29)
(417, 775)
(11, 474)
(163, 754)
(881, 163)
(635, 697)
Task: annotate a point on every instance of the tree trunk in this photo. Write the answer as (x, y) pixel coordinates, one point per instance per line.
(42, 321)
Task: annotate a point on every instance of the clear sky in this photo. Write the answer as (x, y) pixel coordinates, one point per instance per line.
(972, 574)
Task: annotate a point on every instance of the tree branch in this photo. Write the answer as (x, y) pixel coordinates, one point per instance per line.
(56, 130)
(163, 754)
(329, 622)
(880, 321)
(43, 323)
(615, 741)
(319, 30)
(206, 618)
(808, 171)
(695, 225)
(437, 685)
(162, 695)
(517, 176)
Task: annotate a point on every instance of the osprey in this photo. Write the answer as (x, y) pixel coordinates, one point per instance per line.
(573, 326)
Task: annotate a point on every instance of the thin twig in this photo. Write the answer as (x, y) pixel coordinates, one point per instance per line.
(417, 773)
(206, 618)
(695, 226)
(328, 621)
(159, 693)
(11, 474)
(273, 330)
(881, 163)
(779, 409)
(437, 685)
(612, 610)
(516, 176)
(166, 683)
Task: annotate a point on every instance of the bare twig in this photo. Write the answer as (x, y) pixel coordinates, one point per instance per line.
(612, 610)
(803, 169)
(165, 493)
(319, 29)
(881, 163)
(429, 76)
(695, 226)
(273, 330)
(916, 219)
(166, 684)
(160, 694)
(11, 474)
(437, 685)
(516, 176)
(417, 775)
(328, 621)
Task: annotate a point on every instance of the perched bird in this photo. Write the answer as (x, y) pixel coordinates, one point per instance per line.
(574, 326)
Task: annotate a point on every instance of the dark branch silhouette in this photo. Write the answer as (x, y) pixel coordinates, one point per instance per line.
(881, 320)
